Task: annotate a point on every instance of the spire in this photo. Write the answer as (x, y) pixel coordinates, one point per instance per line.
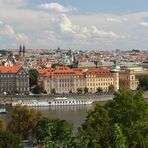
(20, 49)
(23, 48)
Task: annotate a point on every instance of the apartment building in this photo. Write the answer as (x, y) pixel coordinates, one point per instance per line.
(65, 79)
(13, 79)
(96, 78)
(62, 79)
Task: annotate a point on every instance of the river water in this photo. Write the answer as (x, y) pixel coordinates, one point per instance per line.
(73, 114)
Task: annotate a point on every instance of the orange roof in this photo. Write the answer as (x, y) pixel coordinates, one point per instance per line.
(44, 71)
(97, 71)
(59, 71)
(9, 69)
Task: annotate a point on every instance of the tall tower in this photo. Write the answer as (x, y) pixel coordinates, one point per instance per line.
(20, 53)
(20, 49)
(24, 51)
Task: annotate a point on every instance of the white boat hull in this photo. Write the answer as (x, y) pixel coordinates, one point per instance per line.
(55, 102)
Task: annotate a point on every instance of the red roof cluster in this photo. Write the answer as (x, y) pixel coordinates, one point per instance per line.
(62, 70)
(59, 71)
(9, 69)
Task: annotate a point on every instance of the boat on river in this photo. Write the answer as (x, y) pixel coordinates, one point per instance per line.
(53, 102)
(3, 111)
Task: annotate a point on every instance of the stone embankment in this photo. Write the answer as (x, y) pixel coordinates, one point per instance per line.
(95, 97)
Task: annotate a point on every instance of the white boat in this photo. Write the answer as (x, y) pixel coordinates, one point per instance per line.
(69, 101)
(3, 111)
(53, 102)
(34, 103)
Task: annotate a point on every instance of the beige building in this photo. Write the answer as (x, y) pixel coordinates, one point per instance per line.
(13, 79)
(65, 79)
(62, 79)
(96, 78)
(127, 79)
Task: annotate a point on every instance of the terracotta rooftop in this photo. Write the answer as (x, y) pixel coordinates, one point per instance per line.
(9, 69)
(97, 71)
(59, 71)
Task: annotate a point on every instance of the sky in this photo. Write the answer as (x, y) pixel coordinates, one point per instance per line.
(74, 24)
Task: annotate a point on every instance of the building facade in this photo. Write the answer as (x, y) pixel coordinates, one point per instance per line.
(62, 79)
(102, 79)
(65, 79)
(13, 79)
(127, 79)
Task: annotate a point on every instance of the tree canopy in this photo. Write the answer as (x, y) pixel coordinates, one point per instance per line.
(24, 120)
(33, 75)
(54, 133)
(121, 122)
(9, 140)
(143, 83)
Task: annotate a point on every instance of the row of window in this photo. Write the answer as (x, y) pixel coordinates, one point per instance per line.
(99, 84)
(103, 79)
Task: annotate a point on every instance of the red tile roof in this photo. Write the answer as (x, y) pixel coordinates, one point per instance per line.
(62, 70)
(70, 71)
(9, 69)
(97, 71)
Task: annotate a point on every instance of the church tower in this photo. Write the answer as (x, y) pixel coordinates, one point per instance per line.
(24, 50)
(20, 52)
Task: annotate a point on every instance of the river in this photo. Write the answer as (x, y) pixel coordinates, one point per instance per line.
(73, 114)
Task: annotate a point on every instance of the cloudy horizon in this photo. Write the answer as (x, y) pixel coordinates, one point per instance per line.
(75, 24)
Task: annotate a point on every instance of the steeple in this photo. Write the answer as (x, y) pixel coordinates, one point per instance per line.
(24, 50)
(20, 49)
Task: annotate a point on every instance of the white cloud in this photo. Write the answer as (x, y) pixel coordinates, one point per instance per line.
(1, 22)
(85, 32)
(144, 24)
(66, 24)
(103, 30)
(117, 20)
(56, 7)
(22, 37)
(113, 20)
(8, 32)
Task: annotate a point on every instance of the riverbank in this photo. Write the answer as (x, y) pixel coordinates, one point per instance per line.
(7, 99)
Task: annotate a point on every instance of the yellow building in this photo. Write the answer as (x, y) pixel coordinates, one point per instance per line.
(102, 79)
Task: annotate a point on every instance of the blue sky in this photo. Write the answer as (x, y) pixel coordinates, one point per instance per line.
(76, 24)
(107, 6)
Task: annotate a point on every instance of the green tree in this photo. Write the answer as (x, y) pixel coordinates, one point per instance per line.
(79, 90)
(99, 90)
(70, 91)
(9, 140)
(53, 91)
(85, 90)
(126, 109)
(138, 134)
(122, 122)
(95, 131)
(1, 124)
(33, 76)
(55, 133)
(143, 83)
(111, 88)
(38, 89)
(24, 120)
(119, 140)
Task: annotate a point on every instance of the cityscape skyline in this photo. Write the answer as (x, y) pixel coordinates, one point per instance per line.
(74, 24)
